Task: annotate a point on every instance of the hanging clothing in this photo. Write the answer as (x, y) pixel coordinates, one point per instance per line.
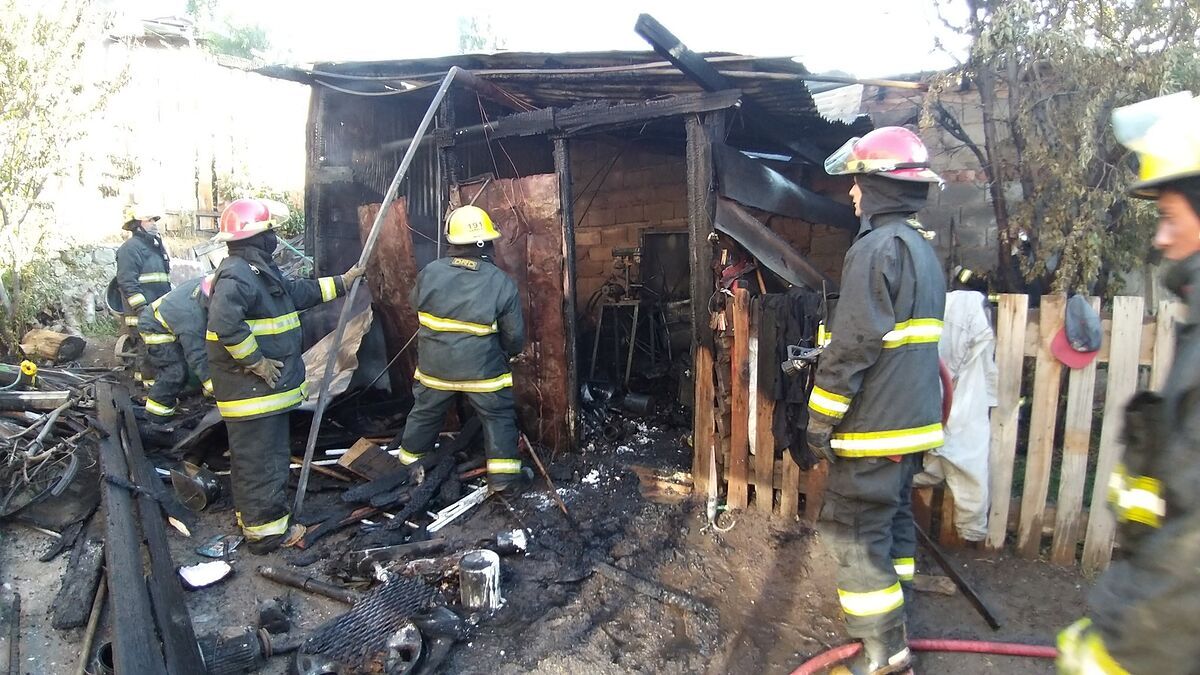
(968, 348)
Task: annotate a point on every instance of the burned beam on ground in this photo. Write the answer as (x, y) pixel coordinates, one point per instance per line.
(135, 645)
(755, 184)
(706, 75)
(588, 117)
(170, 607)
(80, 580)
(769, 248)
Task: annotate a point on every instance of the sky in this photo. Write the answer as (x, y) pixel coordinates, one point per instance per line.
(866, 38)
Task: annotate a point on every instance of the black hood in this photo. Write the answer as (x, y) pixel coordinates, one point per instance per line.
(884, 195)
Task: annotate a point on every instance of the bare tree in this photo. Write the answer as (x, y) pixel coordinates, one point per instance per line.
(1048, 74)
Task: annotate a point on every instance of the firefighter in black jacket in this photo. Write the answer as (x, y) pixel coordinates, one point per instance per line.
(471, 326)
(143, 268)
(876, 402)
(254, 356)
(1144, 611)
(173, 328)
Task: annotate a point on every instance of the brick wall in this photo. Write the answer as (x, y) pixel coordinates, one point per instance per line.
(621, 189)
(646, 189)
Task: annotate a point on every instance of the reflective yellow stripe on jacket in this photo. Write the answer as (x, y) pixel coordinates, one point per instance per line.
(136, 300)
(828, 403)
(474, 386)
(872, 603)
(328, 288)
(275, 325)
(887, 443)
(262, 405)
(157, 338)
(1136, 499)
(154, 278)
(444, 325)
(913, 331)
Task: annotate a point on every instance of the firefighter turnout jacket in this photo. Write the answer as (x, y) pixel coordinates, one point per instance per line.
(254, 314)
(180, 316)
(143, 272)
(471, 324)
(877, 382)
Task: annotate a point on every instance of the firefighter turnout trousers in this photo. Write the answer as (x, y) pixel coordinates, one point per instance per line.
(496, 414)
(259, 459)
(867, 523)
(170, 377)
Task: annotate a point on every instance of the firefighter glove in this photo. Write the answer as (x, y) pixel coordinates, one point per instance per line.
(352, 274)
(818, 437)
(267, 369)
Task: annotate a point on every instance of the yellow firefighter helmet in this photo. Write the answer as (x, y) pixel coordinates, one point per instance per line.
(1165, 134)
(470, 225)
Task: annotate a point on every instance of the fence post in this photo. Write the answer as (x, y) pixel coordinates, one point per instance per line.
(1122, 380)
(1011, 318)
(1077, 437)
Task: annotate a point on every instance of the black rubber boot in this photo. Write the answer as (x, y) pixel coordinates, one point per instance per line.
(511, 484)
(884, 655)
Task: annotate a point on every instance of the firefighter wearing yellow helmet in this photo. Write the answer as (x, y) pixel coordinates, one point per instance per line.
(1142, 611)
(471, 326)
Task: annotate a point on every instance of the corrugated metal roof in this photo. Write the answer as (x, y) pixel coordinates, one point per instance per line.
(545, 80)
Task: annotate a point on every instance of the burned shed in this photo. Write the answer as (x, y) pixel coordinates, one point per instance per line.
(634, 192)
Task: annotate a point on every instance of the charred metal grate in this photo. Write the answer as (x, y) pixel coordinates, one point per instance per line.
(355, 638)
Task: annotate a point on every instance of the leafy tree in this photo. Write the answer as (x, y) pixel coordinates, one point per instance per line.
(45, 102)
(476, 34)
(1048, 74)
(244, 41)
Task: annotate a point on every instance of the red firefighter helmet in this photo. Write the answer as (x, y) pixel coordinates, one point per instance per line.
(245, 218)
(892, 152)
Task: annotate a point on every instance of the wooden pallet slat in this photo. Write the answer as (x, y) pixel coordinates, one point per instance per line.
(814, 491)
(948, 531)
(739, 383)
(1169, 313)
(764, 417)
(1010, 348)
(789, 493)
(1047, 381)
(1122, 381)
(703, 422)
(1077, 438)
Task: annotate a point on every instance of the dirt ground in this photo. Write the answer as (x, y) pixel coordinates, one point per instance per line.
(768, 582)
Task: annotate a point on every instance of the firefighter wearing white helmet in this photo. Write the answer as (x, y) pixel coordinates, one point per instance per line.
(143, 272)
(471, 326)
(1143, 610)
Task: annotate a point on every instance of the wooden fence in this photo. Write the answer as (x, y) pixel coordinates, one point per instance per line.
(1049, 438)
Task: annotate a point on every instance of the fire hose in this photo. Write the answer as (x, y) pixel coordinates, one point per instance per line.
(836, 655)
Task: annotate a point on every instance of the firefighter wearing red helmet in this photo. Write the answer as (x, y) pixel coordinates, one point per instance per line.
(254, 356)
(876, 401)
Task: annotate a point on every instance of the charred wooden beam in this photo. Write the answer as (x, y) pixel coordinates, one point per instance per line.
(562, 166)
(706, 75)
(170, 606)
(589, 117)
(80, 580)
(135, 645)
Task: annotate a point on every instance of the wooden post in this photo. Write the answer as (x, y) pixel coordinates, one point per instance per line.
(739, 379)
(948, 532)
(1169, 313)
(764, 417)
(789, 492)
(1040, 450)
(701, 207)
(922, 506)
(814, 490)
(562, 166)
(1122, 381)
(1077, 437)
(1011, 318)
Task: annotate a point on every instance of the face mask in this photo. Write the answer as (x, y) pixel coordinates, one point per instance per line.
(268, 242)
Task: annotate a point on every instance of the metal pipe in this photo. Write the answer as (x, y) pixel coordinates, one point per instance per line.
(89, 633)
(343, 318)
(306, 583)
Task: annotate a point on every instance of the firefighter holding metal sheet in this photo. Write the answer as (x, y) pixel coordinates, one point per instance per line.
(1144, 611)
(471, 326)
(173, 328)
(143, 268)
(255, 359)
(876, 402)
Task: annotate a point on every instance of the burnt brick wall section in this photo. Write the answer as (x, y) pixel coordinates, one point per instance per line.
(622, 188)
